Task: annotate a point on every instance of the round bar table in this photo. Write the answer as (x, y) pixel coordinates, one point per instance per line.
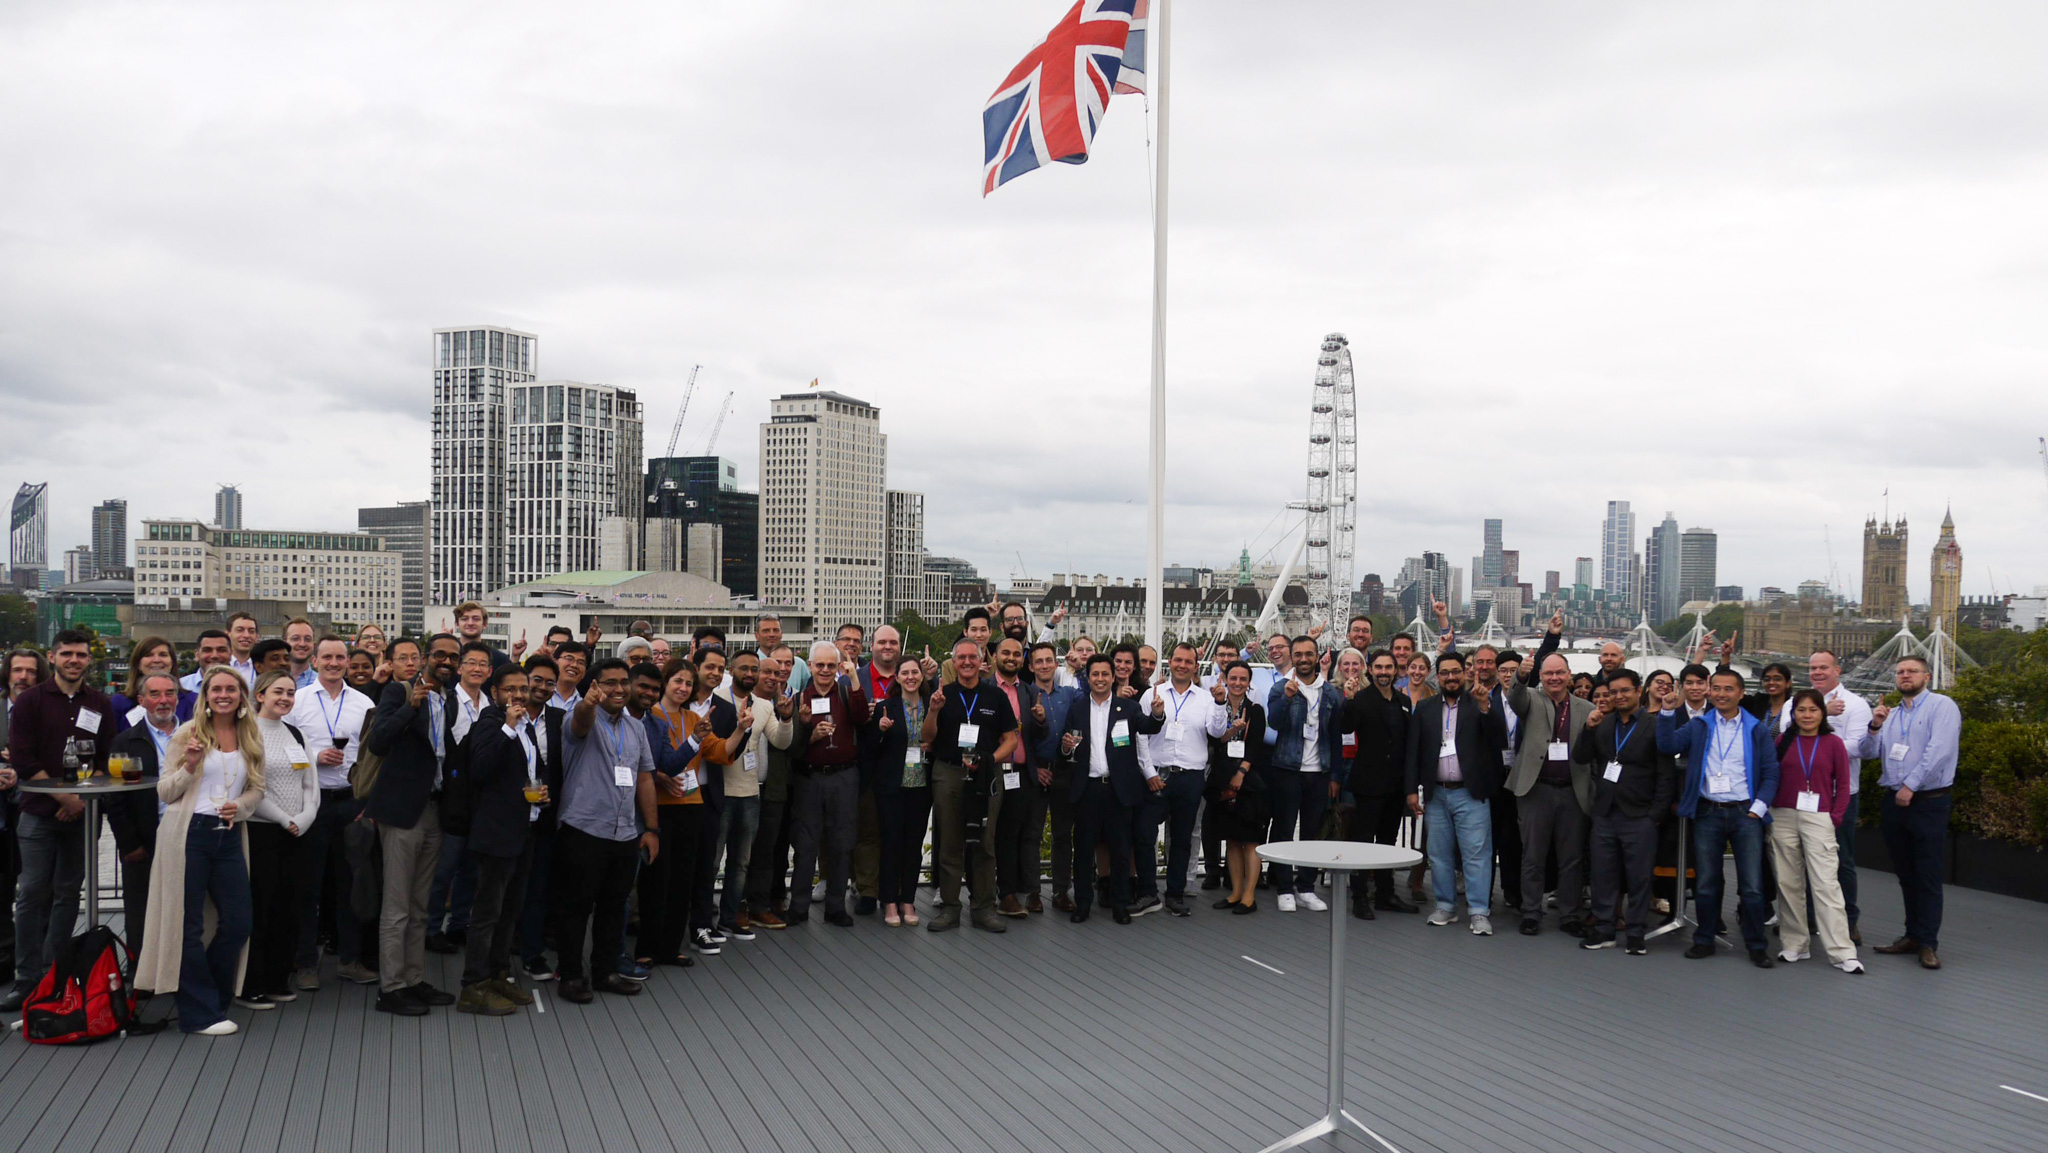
(90, 791)
(1340, 859)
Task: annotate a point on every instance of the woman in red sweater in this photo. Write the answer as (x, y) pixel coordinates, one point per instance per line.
(1813, 797)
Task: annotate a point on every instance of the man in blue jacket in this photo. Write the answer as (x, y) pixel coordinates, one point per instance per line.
(1731, 776)
(1302, 709)
(1105, 785)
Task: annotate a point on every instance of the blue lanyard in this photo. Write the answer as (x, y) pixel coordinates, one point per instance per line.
(340, 703)
(1806, 753)
(1911, 714)
(968, 705)
(434, 720)
(618, 742)
(1621, 738)
(1720, 748)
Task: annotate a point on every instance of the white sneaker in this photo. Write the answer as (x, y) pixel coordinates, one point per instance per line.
(1852, 966)
(1443, 917)
(1481, 925)
(221, 1028)
(1286, 902)
(1792, 958)
(1771, 922)
(1312, 903)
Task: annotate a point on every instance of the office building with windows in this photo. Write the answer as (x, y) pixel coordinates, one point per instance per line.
(824, 463)
(349, 576)
(474, 370)
(573, 460)
(405, 529)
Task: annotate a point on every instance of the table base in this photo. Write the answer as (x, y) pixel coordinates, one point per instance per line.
(1343, 1122)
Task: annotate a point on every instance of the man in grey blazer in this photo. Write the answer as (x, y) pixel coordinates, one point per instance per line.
(1553, 789)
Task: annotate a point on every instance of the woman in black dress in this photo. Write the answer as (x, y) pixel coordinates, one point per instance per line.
(1237, 787)
(900, 778)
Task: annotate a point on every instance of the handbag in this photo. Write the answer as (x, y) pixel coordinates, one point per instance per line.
(362, 776)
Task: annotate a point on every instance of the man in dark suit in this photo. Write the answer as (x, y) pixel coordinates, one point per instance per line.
(1107, 786)
(546, 724)
(1633, 787)
(503, 760)
(414, 733)
(1454, 764)
(1375, 777)
(133, 816)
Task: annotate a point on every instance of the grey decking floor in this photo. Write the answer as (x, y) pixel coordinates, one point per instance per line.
(1156, 1036)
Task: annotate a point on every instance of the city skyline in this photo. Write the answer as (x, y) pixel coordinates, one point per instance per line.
(1577, 215)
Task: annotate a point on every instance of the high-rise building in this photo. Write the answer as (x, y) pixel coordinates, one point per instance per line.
(1373, 592)
(706, 490)
(1660, 570)
(350, 576)
(573, 458)
(1456, 600)
(1884, 569)
(1510, 566)
(109, 536)
(824, 464)
(1945, 582)
(903, 556)
(1582, 572)
(1488, 572)
(227, 507)
(405, 528)
(473, 369)
(1617, 553)
(1551, 582)
(1696, 565)
(78, 565)
(28, 538)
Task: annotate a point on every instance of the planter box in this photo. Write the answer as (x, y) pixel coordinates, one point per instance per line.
(1973, 863)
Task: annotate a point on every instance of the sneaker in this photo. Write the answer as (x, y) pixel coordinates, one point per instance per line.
(1312, 903)
(482, 998)
(256, 1001)
(1573, 928)
(737, 932)
(1636, 947)
(357, 973)
(633, 970)
(426, 994)
(396, 1001)
(1699, 952)
(1531, 926)
(1771, 922)
(1598, 941)
(1286, 902)
(284, 998)
(537, 970)
(1178, 907)
(1550, 901)
(1663, 907)
(703, 941)
(1792, 958)
(1440, 917)
(509, 990)
(306, 980)
(1144, 905)
(220, 1028)
(1482, 926)
(1852, 966)
(717, 935)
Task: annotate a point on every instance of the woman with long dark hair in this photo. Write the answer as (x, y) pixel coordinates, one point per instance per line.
(902, 785)
(1813, 797)
(1237, 787)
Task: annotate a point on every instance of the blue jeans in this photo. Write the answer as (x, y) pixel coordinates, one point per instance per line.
(454, 888)
(1297, 796)
(1713, 831)
(736, 828)
(1845, 862)
(1460, 826)
(214, 868)
(1916, 836)
(46, 895)
(1183, 801)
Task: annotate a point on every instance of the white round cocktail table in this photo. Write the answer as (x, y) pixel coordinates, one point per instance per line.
(1340, 859)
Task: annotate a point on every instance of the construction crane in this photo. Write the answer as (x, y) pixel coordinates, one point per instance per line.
(717, 426)
(668, 481)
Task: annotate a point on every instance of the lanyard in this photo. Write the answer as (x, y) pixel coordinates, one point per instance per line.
(968, 705)
(1621, 738)
(1450, 719)
(1721, 749)
(1911, 714)
(618, 735)
(434, 715)
(340, 703)
(1806, 753)
(468, 710)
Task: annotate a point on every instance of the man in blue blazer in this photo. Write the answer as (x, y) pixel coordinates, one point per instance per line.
(1731, 777)
(1307, 770)
(1106, 786)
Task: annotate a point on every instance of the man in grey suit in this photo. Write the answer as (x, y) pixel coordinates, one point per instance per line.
(1552, 786)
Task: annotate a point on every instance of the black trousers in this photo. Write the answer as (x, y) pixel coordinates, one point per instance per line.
(768, 867)
(274, 865)
(668, 884)
(1099, 816)
(904, 816)
(1376, 820)
(494, 914)
(1507, 846)
(1020, 830)
(592, 879)
(1624, 849)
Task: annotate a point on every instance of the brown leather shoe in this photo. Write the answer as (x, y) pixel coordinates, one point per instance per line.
(1009, 906)
(1063, 903)
(769, 921)
(1035, 905)
(742, 921)
(1928, 960)
(1904, 945)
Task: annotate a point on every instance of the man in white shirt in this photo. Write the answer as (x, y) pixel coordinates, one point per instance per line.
(454, 888)
(1848, 715)
(330, 715)
(1179, 751)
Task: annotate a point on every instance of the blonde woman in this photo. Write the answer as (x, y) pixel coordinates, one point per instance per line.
(277, 874)
(212, 780)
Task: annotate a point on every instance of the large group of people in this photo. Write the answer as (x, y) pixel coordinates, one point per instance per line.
(576, 814)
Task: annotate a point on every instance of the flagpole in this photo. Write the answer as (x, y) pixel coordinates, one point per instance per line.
(1155, 584)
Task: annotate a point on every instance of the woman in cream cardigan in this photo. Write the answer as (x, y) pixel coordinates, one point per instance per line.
(211, 780)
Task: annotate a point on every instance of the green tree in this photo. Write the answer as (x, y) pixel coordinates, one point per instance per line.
(17, 620)
(1723, 620)
(918, 634)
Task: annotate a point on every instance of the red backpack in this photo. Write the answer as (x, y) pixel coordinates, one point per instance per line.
(86, 995)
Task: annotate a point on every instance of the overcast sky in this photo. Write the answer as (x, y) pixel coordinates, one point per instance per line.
(1752, 263)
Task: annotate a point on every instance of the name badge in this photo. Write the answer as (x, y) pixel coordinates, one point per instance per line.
(1718, 783)
(1350, 740)
(913, 756)
(1507, 757)
(1558, 751)
(970, 735)
(1898, 750)
(1012, 779)
(1174, 730)
(136, 715)
(1234, 750)
(1613, 772)
(748, 760)
(690, 782)
(1448, 749)
(622, 776)
(89, 720)
(821, 706)
(1809, 802)
(1120, 734)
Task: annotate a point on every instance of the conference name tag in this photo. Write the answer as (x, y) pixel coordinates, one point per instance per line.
(1558, 751)
(622, 776)
(1720, 783)
(1012, 779)
(690, 784)
(1809, 802)
(1507, 756)
(969, 735)
(1174, 730)
(747, 759)
(1613, 772)
(1120, 734)
(89, 720)
(1234, 750)
(1350, 740)
(821, 706)
(1448, 749)
(1898, 750)
(136, 715)
(913, 756)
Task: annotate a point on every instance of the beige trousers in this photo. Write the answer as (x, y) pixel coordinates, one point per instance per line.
(1803, 849)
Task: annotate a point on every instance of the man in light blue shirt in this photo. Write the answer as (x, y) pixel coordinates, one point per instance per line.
(1917, 743)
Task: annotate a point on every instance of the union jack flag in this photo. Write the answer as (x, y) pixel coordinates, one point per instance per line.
(1049, 105)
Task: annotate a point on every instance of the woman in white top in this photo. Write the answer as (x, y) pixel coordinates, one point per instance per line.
(291, 799)
(213, 778)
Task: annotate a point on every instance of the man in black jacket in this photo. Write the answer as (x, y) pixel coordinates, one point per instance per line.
(547, 724)
(1455, 745)
(1375, 783)
(133, 816)
(503, 762)
(1633, 786)
(413, 732)
(1107, 786)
